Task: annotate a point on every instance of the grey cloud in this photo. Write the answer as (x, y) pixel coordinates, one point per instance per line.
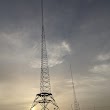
(103, 57)
(82, 24)
(102, 68)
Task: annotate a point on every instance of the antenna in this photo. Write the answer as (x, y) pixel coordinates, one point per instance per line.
(45, 97)
(76, 104)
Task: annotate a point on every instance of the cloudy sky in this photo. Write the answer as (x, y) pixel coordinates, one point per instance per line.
(77, 33)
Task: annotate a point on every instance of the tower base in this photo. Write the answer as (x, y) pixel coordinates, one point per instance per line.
(44, 99)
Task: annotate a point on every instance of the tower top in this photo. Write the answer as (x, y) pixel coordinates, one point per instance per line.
(42, 9)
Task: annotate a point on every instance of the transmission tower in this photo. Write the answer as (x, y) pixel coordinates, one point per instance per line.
(45, 97)
(75, 104)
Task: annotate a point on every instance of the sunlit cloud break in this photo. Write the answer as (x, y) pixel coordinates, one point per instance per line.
(103, 57)
(102, 68)
(32, 55)
(56, 54)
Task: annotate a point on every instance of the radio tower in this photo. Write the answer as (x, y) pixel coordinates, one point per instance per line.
(45, 97)
(76, 104)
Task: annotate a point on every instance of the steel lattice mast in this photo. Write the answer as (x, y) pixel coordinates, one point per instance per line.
(45, 79)
(45, 96)
(76, 104)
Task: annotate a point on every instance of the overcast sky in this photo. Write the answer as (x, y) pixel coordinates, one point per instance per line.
(77, 33)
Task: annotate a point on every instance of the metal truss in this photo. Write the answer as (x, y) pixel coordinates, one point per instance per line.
(44, 98)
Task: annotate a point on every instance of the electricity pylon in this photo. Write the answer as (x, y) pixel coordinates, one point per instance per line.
(45, 97)
(76, 104)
